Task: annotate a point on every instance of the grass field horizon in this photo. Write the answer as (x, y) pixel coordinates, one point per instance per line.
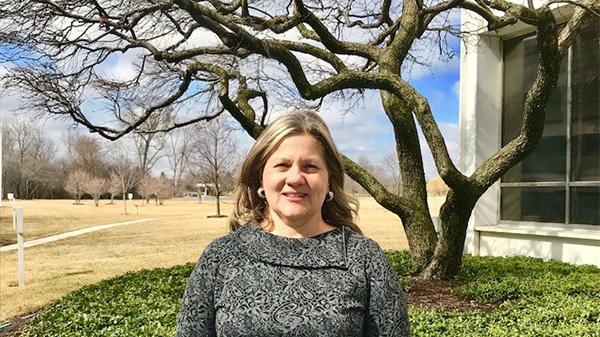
(180, 232)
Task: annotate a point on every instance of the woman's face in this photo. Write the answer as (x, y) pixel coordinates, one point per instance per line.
(296, 181)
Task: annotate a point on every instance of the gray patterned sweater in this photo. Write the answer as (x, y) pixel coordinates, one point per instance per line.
(253, 283)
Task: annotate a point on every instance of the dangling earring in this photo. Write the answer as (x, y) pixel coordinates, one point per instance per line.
(261, 193)
(329, 196)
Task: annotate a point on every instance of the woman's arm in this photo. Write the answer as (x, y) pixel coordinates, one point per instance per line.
(387, 315)
(197, 314)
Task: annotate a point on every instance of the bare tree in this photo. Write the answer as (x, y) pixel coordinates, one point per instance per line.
(28, 159)
(159, 188)
(389, 165)
(114, 187)
(150, 144)
(85, 153)
(124, 174)
(177, 147)
(75, 183)
(162, 190)
(212, 155)
(145, 188)
(95, 187)
(270, 55)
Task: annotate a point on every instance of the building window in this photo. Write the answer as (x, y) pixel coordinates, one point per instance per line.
(560, 181)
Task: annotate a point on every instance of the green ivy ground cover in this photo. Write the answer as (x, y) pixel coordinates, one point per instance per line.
(535, 298)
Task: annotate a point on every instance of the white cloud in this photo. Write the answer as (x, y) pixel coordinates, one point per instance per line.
(364, 131)
(120, 66)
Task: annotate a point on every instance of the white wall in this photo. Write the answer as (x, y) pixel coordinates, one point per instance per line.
(480, 112)
(571, 250)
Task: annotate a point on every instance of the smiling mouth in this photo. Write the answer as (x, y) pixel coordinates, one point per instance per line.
(294, 195)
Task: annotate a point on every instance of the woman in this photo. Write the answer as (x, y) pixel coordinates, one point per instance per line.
(295, 263)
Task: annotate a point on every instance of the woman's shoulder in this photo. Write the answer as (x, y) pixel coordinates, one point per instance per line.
(360, 240)
(361, 245)
(221, 246)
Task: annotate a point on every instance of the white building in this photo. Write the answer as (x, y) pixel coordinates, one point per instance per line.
(547, 206)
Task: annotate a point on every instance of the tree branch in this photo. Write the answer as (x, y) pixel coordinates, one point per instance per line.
(394, 203)
(567, 35)
(332, 43)
(384, 17)
(533, 110)
(435, 140)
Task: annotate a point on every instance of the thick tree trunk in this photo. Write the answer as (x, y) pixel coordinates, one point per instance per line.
(417, 224)
(218, 204)
(447, 258)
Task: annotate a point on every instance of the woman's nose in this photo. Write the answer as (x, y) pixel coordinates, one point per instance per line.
(295, 176)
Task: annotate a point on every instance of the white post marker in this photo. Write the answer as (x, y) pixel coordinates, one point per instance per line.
(11, 198)
(18, 214)
(130, 196)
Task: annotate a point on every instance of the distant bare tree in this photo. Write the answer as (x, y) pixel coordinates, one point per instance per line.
(150, 144)
(391, 169)
(114, 187)
(27, 159)
(95, 187)
(162, 190)
(86, 153)
(159, 188)
(177, 143)
(145, 188)
(124, 174)
(212, 154)
(75, 183)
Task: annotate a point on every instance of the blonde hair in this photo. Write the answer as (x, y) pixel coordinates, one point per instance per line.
(250, 208)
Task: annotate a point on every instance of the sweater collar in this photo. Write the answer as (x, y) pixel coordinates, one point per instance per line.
(321, 251)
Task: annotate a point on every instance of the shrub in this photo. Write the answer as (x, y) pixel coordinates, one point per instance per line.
(564, 316)
(402, 265)
(143, 303)
(500, 279)
(536, 298)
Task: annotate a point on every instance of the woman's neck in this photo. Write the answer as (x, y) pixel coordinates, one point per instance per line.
(299, 230)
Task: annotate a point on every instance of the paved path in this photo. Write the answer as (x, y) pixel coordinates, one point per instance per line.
(65, 235)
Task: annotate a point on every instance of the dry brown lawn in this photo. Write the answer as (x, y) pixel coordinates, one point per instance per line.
(46, 217)
(179, 235)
